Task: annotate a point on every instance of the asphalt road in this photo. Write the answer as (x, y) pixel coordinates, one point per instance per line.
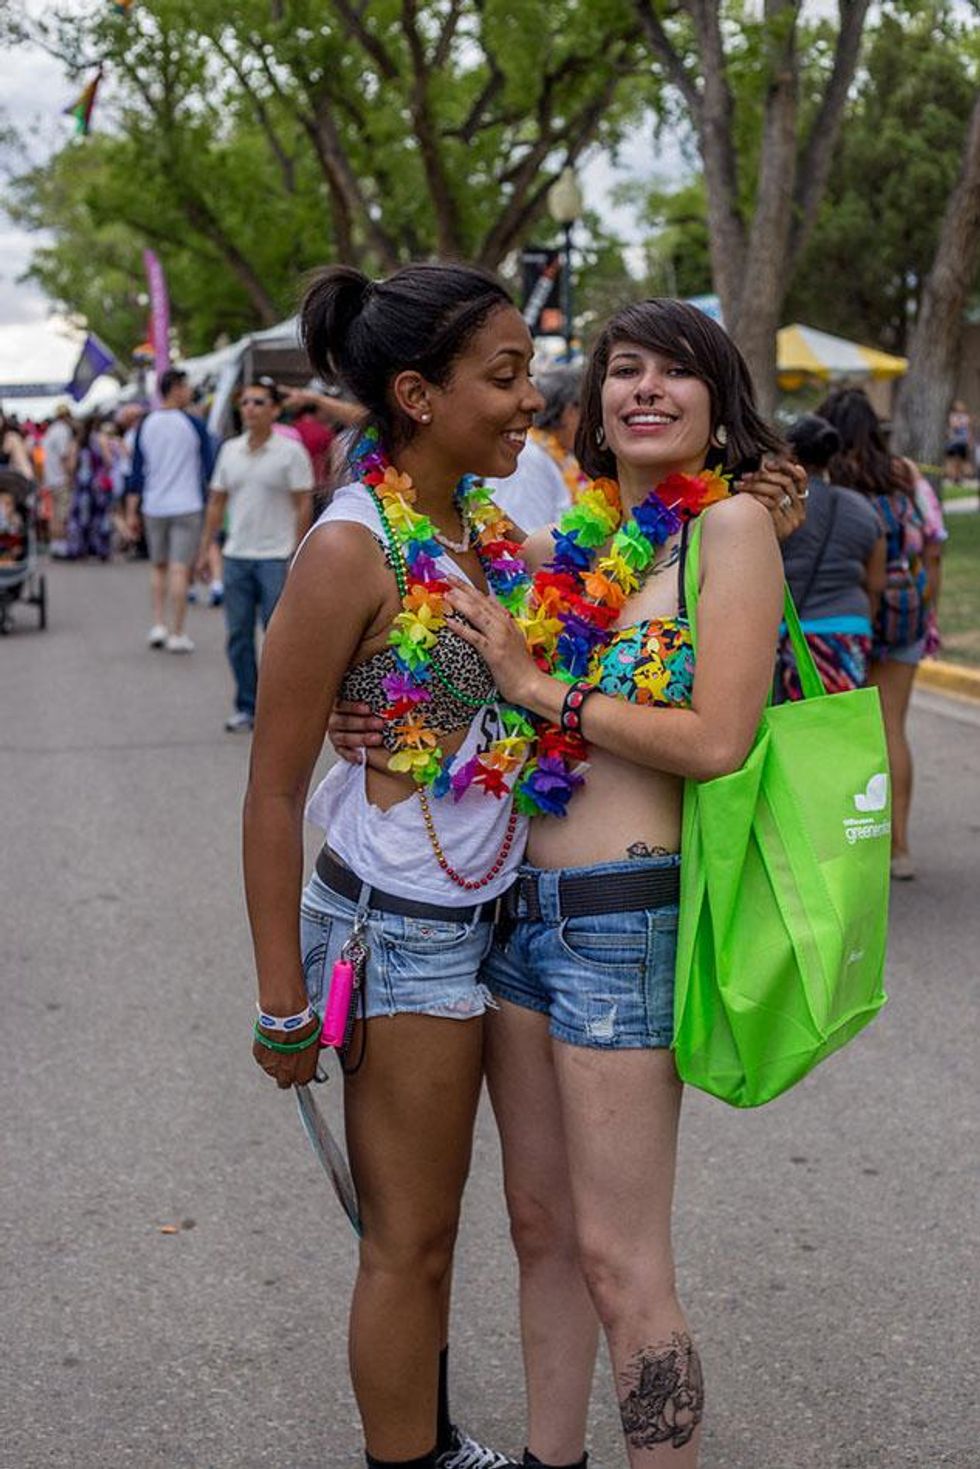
(827, 1243)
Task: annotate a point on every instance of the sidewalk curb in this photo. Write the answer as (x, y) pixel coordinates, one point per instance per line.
(949, 678)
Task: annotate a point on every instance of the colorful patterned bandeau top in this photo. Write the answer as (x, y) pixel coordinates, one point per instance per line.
(650, 662)
(647, 663)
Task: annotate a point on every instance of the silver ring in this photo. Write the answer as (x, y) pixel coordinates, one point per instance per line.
(805, 494)
(785, 502)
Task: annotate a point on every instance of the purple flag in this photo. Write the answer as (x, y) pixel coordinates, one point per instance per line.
(94, 359)
(159, 313)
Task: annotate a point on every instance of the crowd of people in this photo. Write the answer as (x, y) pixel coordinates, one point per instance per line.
(221, 523)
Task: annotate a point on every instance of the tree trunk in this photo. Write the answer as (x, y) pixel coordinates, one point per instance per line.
(929, 385)
(752, 260)
(759, 301)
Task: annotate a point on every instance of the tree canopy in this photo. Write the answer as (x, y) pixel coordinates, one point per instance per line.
(249, 143)
(255, 141)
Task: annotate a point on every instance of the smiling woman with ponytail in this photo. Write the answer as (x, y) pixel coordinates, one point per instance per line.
(439, 357)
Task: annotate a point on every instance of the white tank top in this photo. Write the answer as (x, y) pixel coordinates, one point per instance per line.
(391, 849)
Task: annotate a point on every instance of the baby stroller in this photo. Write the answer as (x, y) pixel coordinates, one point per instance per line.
(19, 576)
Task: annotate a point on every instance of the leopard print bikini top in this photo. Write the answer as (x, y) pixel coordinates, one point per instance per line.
(459, 663)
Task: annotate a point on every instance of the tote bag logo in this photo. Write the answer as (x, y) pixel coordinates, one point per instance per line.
(872, 799)
(875, 796)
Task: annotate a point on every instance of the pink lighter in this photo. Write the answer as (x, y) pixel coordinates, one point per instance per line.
(340, 997)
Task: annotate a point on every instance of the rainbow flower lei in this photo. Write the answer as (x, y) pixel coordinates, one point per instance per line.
(414, 550)
(573, 604)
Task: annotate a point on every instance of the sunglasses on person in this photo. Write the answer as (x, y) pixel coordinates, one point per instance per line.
(256, 402)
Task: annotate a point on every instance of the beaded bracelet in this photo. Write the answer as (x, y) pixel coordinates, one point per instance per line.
(285, 1023)
(312, 1039)
(575, 697)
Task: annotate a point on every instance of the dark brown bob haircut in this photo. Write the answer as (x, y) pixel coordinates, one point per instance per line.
(692, 340)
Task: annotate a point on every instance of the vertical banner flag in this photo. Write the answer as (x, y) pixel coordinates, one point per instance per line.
(159, 313)
(541, 290)
(94, 359)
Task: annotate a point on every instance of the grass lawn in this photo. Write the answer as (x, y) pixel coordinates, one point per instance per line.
(959, 600)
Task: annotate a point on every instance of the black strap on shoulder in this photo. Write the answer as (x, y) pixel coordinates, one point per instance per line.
(681, 563)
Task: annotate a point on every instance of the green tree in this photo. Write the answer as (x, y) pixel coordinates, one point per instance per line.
(765, 96)
(253, 141)
(899, 155)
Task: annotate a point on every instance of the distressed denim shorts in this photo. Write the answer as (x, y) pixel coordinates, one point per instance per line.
(606, 980)
(415, 966)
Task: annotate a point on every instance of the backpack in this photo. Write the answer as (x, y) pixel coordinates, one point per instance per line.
(901, 616)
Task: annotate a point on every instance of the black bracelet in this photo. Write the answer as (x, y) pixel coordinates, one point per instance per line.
(571, 706)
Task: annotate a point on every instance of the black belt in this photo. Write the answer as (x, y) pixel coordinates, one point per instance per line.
(342, 880)
(581, 897)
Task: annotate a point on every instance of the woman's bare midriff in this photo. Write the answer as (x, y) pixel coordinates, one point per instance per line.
(622, 811)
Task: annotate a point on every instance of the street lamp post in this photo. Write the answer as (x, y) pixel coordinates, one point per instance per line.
(565, 207)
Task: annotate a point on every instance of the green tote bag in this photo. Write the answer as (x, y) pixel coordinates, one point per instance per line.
(784, 890)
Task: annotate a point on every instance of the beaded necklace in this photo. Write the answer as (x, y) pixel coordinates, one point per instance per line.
(413, 547)
(574, 602)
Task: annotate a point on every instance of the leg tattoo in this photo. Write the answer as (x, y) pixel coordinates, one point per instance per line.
(663, 1394)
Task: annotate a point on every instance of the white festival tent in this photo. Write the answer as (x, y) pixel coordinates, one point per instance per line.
(275, 351)
(44, 354)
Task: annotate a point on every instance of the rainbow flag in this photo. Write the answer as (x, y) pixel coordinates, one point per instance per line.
(81, 109)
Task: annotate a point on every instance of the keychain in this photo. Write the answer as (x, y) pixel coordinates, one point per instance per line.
(346, 983)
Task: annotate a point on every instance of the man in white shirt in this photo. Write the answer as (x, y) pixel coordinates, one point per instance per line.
(59, 467)
(265, 483)
(169, 474)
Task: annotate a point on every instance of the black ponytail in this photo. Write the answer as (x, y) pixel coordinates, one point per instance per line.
(366, 332)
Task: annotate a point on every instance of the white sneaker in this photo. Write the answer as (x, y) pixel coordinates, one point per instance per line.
(157, 636)
(179, 642)
(466, 1453)
(239, 722)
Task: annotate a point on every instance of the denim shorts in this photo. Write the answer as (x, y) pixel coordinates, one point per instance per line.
(415, 966)
(907, 653)
(606, 980)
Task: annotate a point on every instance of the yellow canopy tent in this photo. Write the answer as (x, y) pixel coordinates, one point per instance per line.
(803, 353)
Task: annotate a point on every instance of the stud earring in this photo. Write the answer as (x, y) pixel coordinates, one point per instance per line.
(425, 418)
(600, 437)
(721, 436)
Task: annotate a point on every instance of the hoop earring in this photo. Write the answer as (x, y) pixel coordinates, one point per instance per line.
(600, 437)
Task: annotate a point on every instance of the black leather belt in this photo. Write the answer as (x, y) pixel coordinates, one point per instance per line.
(342, 880)
(580, 897)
